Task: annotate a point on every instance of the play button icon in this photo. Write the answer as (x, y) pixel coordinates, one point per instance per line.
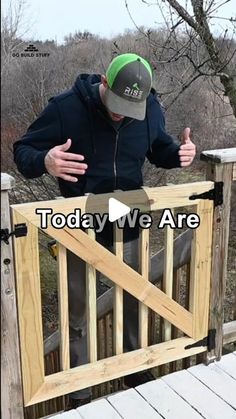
(117, 209)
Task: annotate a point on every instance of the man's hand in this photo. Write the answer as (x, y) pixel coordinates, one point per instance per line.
(61, 164)
(187, 150)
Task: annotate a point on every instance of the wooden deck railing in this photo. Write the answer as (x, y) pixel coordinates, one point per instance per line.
(207, 248)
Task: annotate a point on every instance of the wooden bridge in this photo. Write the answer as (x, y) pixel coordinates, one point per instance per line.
(199, 392)
(193, 328)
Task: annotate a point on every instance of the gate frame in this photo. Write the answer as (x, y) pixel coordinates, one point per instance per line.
(194, 323)
(219, 168)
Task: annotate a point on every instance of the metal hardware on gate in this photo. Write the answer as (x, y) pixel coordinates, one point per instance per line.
(20, 231)
(209, 341)
(215, 194)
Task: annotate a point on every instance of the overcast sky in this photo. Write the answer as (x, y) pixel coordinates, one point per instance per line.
(54, 19)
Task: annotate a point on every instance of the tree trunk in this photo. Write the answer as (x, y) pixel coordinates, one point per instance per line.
(200, 25)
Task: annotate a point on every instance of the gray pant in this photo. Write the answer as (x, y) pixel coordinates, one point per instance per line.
(77, 310)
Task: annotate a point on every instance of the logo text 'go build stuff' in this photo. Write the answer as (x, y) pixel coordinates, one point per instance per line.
(30, 51)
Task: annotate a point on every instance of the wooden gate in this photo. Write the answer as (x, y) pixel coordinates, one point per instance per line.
(193, 322)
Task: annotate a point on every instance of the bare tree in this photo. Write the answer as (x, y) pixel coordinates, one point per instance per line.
(28, 83)
(14, 27)
(189, 37)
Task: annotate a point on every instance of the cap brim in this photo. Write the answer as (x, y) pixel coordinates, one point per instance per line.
(124, 107)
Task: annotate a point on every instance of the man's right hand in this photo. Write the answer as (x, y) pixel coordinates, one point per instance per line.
(61, 164)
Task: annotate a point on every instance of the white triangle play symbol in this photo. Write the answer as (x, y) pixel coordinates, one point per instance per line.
(117, 209)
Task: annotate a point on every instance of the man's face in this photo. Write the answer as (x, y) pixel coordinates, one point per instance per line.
(114, 116)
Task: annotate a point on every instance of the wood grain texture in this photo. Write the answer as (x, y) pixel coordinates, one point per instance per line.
(102, 349)
(99, 258)
(11, 381)
(220, 238)
(7, 183)
(225, 155)
(91, 306)
(29, 308)
(234, 172)
(176, 333)
(144, 258)
(200, 270)
(156, 198)
(118, 296)
(229, 332)
(168, 275)
(117, 366)
(63, 307)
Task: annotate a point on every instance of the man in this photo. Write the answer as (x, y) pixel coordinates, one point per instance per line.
(94, 138)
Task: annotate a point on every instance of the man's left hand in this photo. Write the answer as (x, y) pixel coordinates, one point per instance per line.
(187, 150)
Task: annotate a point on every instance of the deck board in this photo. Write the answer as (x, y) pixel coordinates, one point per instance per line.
(200, 392)
(99, 409)
(205, 401)
(217, 380)
(71, 414)
(168, 403)
(130, 404)
(228, 365)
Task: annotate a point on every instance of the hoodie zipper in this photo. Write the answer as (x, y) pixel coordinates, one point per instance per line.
(114, 162)
(116, 145)
(115, 153)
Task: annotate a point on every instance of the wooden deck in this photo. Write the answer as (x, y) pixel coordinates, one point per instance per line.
(200, 392)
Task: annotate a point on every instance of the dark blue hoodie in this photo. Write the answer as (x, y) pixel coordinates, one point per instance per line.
(115, 156)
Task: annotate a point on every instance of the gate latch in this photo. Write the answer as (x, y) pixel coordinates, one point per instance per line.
(209, 341)
(20, 231)
(215, 194)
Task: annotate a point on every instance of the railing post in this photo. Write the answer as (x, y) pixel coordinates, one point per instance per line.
(219, 169)
(11, 383)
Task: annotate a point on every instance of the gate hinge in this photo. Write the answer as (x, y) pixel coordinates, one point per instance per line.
(209, 341)
(215, 194)
(20, 231)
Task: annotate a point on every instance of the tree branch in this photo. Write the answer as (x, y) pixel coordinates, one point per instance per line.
(182, 12)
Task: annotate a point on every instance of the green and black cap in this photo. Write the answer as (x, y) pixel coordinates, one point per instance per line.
(129, 79)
